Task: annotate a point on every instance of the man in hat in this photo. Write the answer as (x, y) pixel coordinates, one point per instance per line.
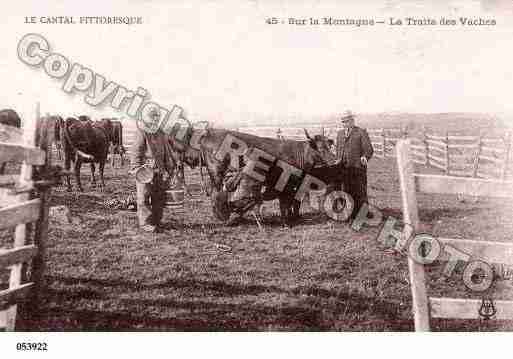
(156, 149)
(354, 150)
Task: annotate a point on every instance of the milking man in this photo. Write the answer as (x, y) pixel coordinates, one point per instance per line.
(354, 150)
(153, 178)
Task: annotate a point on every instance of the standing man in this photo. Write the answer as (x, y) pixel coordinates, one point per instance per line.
(151, 197)
(354, 150)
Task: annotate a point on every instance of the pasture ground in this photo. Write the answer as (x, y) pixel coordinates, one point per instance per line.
(317, 276)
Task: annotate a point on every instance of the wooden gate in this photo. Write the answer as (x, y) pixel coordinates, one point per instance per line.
(26, 214)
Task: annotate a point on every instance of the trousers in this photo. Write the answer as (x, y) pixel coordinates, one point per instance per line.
(355, 184)
(151, 198)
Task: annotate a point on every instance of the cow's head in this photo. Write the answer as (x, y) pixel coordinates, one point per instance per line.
(321, 154)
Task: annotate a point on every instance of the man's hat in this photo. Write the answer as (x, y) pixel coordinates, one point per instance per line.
(347, 115)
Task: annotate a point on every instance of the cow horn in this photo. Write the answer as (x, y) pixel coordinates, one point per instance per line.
(306, 133)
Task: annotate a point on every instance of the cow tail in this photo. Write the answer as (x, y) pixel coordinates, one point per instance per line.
(72, 146)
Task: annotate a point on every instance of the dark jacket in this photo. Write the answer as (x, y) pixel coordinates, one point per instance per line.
(350, 150)
(155, 146)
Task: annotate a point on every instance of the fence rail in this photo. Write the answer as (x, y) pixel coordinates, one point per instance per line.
(411, 183)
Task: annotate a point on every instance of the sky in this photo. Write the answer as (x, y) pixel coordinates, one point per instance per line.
(221, 61)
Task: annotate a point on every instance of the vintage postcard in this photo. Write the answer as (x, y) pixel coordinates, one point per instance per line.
(256, 166)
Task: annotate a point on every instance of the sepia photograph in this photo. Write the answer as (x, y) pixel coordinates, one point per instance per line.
(255, 166)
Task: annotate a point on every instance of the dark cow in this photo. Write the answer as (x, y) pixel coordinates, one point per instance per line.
(330, 174)
(8, 117)
(303, 155)
(289, 205)
(117, 141)
(88, 142)
(322, 168)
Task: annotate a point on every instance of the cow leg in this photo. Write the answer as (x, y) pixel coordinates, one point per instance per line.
(2, 168)
(122, 155)
(78, 164)
(296, 205)
(67, 166)
(112, 153)
(102, 181)
(93, 179)
(284, 211)
(58, 146)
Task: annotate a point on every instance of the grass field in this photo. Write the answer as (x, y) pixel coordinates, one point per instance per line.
(318, 276)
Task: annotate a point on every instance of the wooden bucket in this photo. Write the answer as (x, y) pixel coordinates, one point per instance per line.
(175, 198)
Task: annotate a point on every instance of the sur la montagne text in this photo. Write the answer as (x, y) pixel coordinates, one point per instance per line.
(406, 21)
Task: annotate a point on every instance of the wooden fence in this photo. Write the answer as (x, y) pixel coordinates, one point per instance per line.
(425, 307)
(456, 155)
(21, 211)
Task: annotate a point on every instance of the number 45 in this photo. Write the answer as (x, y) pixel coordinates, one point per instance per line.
(272, 21)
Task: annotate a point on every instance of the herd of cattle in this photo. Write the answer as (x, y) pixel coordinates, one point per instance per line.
(81, 140)
(85, 141)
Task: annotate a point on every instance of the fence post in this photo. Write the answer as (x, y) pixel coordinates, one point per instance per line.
(506, 156)
(424, 134)
(477, 154)
(384, 142)
(46, 131)
(447, 152)
(410, 212)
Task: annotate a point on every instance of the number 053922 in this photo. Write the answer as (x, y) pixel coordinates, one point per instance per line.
(31, 346)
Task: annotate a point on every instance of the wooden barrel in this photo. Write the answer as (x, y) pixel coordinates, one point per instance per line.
(175, 199)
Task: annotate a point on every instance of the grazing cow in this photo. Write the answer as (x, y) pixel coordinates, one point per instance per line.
(303, 155)
(85, 141)
(8, 117)
(117, 141)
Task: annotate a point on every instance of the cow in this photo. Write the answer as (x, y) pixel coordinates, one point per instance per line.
(85, 141)
(303, 155)
(8, 117)
(323, 169)
(117, 141)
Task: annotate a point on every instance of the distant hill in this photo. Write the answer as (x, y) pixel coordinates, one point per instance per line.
(458, 122)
